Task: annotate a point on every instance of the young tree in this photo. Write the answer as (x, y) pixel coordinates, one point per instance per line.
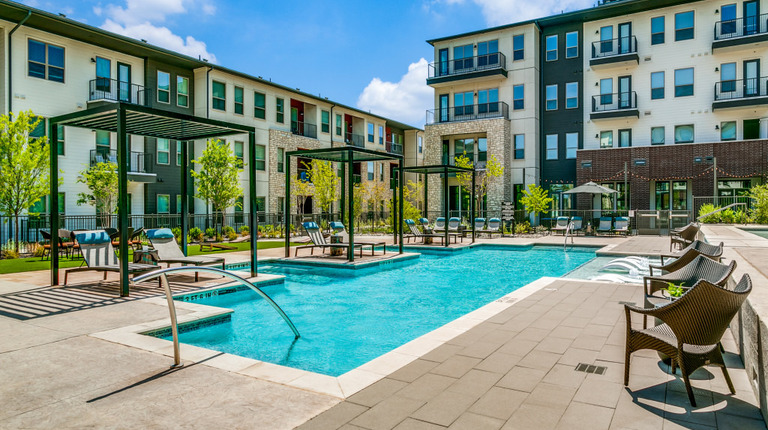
(217, 180)
(326, 183)
(101, 180)
(483, 178)
(377, 193)
(24, 166)
(412, 193)
(536, 199)
(301, 189)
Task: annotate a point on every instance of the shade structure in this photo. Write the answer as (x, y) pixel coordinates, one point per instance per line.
(590, 188)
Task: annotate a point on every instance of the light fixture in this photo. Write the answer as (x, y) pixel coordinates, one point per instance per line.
(717, 69)
(597, 136)
(717, 11)
(597, 31)
(597, 84)
(93, 60)
(717, 127)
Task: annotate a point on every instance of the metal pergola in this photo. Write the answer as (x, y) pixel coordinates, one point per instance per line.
(346, 156)
(124, 119)
(445, 169)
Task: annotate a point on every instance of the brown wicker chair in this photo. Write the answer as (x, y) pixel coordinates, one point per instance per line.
(681, 261)
(691, 329)
(684, 236)
(714, 252)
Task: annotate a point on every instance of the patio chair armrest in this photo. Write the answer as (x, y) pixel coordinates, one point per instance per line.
(648, 284)
(658, 267)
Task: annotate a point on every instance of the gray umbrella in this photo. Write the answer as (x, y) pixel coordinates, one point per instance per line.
(591, 188)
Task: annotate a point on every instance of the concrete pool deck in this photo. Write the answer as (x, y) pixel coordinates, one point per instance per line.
(514, 370)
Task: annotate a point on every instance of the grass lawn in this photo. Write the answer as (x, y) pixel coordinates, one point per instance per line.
(194, 249)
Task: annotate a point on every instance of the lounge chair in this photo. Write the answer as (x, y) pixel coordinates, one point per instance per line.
(605, 225)
(100, 256)
(479, 224)
(576, 224)
(561, 224)
(684, 236)
(454, 228)
(494, 227)
(425, 225)
(714, 252)
(415, 233)
(338, 227)
(318, 241)
(691, 330)
(135, 239)
(210, 246)
(439, 224)
(621, 226)
(168, 251)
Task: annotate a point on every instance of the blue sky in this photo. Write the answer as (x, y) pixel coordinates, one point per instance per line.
(367, 54)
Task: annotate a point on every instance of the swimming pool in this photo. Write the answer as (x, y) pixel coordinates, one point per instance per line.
(348, 317)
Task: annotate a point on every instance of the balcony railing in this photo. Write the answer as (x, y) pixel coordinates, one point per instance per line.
(468, 113)
(111, 89)
(138, 162)
(614, 102)
(462, 66)
(304, 129)
(741, 89)
(394, 148)
(741, 27)
(614, 47)
(354, 140)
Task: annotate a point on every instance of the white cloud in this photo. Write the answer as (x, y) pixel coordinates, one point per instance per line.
(405, 101)
(163, 37)
(500, 12)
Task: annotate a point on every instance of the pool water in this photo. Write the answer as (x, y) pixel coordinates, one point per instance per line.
(348, 317)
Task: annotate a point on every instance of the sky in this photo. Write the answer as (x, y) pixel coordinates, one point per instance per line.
(372, 55)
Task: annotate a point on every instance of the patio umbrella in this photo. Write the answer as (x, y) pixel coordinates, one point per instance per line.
(591, 188)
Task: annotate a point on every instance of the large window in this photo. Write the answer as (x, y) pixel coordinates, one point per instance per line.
(462, 57)
(163, 151)
(482, 152)
(606, 139)
(657, 85)
(370, 132)
(728, 77)
(728, 130)
(657, 30)
(45, 61)
(219, 95)
(571, 145)
(279, 110)
(551, 147)
(488, 100)
(684, 82)
(728, 19)
(338, 125)
(280, 160)
(572, 44)
(103, 74)
(178, 152)
(60, 146)
(238, 100)
(518, 47)
(518, 97)
(421, 144)
(163, 203)
(684, 26)
(325, 121)
(606, 91)
(182, 91)
(487, 53)
(259, 153)
(572, 95)
(260, 105)
(607, 200)
(163, 87)
(465, 147)
(625, 138)
(370, 170)
(463, 103)
(551, 44)
(239, 153)
(672, 195)
(684, 133)
(657, 135)
(551, 97)
(381, 135)
(519, 146)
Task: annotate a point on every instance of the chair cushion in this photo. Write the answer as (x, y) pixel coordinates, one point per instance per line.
(160, 233)
(336, 225)
(92, 237)
(479, 219)
(495, 220)
(309, 225)
(410, 222)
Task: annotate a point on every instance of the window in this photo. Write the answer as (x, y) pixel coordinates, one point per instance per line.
(571, 145)
(684, 26)
(381, 172)
(487, 53)
(519, 146)
(178, 203)
(370, 132)
(625, 138)
(163, 203)
(657, 135)
(238, 100)
(280, 160)
(606, 91)
(728, 130)
(40, 129)
(370, 170)
(45, 61)
(465, 147)
(219, 96)
(338, 125)
(280, 205)
(551, 147)
(163, 151)
(421, 144)
(182, 91)
(518, 97)
(606, 139)
(684, 82)
(571, 95)
(463, 103)
(728, 77)
(551, 43)
(551, 97)
(60, 148)
(239, 154)
(572, 44)
(260, 106)
(325, 121)
(482, 152)
(381, 135)
(462, 57)
(657, 30)
(102, 146)
(657, 85)
(606, 40)
(518, 47)
(279, 110)
(163, 87)
(259, 152)
(684, 133)
(728, 20)
(103, 74)
(488, 100)
(178, 152)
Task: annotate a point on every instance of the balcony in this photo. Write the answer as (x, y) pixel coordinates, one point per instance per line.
(140, 164)
(468, 113)
(304, 129)
(741, 93)
(394, 148)
(354, 140)
(103, 89)
(616, 105)
(750, 32)
(619, 52)
(467, 68)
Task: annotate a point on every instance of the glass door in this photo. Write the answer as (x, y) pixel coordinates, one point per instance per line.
(625, 92)
(443, 66)
(625, 38)
(751, 78)
(124, 82)
(103, 74)
(443, 108)
(751, 13)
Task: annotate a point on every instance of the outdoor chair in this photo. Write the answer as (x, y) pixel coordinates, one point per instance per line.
(576, 224)
(685, 236)
(682, 260)
(691, 329)
(714, 252)
(494, 227)
(439, 224)
(415, 233)
(318, 241)
(479, 224)
(425, 225)
(453, 224)
(699, 268)
(100, 256)
(168, 251)
(135, 239)
(605, 225)
(338, 227)
(621, 226)
(561, 224)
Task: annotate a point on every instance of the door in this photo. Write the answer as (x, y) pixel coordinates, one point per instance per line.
(606, 39)
(103, 75)
(751, 15)
(443, 66)
(295, 121)
(625, 92)
(751, 78)
(124, 82)
(443, 108)
(625, 38)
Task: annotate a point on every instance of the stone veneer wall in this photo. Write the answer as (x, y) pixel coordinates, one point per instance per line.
(289, 142)
(498, 131)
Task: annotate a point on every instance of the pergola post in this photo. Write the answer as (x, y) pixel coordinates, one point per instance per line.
(445, 204)
(54, 202)
(351, 230)
(253, 220)
(400, 181)
(343, 209)
(122, 199)
(287, 203)
(472, 207)
(184, 195)
(425, 212)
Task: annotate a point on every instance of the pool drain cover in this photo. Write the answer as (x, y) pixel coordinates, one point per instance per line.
(591, 368)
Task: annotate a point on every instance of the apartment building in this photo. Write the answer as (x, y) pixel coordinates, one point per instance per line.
(55, 66)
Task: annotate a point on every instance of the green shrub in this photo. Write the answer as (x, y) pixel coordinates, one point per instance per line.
(727, 216)
(176, 232)
(232, 235)
(245, 230)
(210, 232)
(523, 227)
(759, 195)
(707, 209)
(227, 230)
(38, 252)
(742, 217)
(196, 234)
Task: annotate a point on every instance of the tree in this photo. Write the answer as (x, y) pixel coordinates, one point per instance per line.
(376, 192)
(536, 199)
(24, 166)
(412, 193)
(217, 180)
(326, 183)
(301, 189)
(759, 194)
(483, 178)
(101, 180)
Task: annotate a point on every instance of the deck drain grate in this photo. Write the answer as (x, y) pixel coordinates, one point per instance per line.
(591, 368)
(627, 303)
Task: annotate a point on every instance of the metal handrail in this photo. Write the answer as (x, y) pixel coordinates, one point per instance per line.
(468, 112)
(114, 90)
(614, 101)
(461, 66)
(734, 89)
(163, 274)
(720, 210)
(740, 27)
(613, 47)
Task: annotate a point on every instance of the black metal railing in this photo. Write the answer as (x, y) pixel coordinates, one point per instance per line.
(747, 26)
(462, 66)
(304, 129)
(741, 88)
(468, 112)
(614, 101)
(614, 47)
(138, 162)
(354, 140)
(394, 148)
(114, 90)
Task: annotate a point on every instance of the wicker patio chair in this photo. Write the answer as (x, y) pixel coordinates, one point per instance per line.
(685, 236)
(714, 252)
(691, 329)
(682, 260)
